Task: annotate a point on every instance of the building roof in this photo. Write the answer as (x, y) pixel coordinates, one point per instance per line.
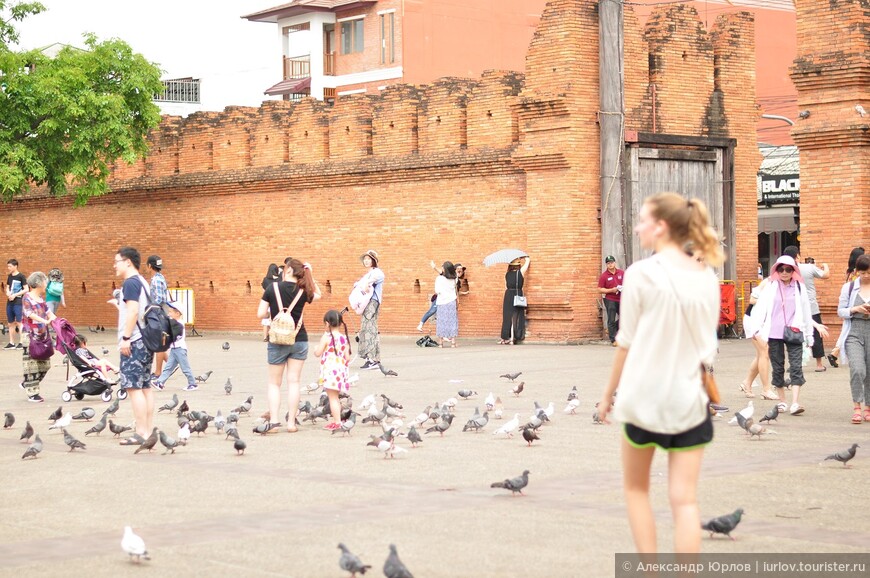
(779, 160)
(297, 7)
(289, 86)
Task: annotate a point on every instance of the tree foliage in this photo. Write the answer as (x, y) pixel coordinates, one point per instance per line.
(65, 120)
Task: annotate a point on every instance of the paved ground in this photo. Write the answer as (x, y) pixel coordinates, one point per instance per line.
(281, 509)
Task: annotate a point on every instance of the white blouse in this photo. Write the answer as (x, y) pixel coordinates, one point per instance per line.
(668, 321)
(445, 289)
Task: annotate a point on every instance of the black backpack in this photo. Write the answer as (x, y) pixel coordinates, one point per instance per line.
(158, 330)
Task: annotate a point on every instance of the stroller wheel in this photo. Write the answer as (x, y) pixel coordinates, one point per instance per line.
(106, 395)
(66, 396)
(79, 396)
(122, 394)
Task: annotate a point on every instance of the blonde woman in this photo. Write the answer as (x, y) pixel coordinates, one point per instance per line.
(661, 401)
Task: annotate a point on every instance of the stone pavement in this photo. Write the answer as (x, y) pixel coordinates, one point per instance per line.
(280, 509)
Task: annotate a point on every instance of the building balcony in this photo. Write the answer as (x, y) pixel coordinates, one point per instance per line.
(179, 90)
(297, 66)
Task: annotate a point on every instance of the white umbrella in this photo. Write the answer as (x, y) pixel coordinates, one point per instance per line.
(504, 256)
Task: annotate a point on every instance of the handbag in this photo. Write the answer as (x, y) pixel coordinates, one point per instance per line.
(40, 347)
(791, 335)
(519, 300)
(283, 328)
(359, 300)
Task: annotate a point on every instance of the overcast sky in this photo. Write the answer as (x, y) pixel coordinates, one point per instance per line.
(236, 59)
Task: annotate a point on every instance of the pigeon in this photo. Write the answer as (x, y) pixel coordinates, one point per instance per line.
(756, 430)
(200, 426)
(33, 449)
(499, 408)
(231, 431)
(442, 426)
(572, 394)
(596, 418)
(393, 567)
(423, 415)
(347, 425)
(385, 445)
(724, 524)
(536, 421)
(477, 422)
(27, 433)
(226, 346)
(746, 412)
(312, 387)
(518, 389)
(204, 377)
(318, 412)
(170, 405)
(184, 433)
(550, 410)
(572, 406)
(742, 421)
(387, 372)
(72, 442)
(489, 402)
(391, 403)
(183, 408)
(113, 408)
(55, 415)
(62, 421)
(771, 415)
(105, 351)
(10, 421)
(92, 330)
(512, 376)
(350, 562)
(228, 386)
(246, 406)
(239, 445)
(149, 442)
(414, 437)
(530, 435)
(465, 393)
(509, 427)
(133, 545)
(219, 421)
(169, 443)
(842, 457)
(261, 428)
(367, 402)
(515, 485)
(118, 429)
(375, 415)
(86, 414)
(99, 426)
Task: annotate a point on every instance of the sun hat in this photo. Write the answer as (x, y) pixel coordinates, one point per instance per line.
(372, 254)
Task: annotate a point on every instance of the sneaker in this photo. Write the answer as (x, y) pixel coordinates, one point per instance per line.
(154, 377)
(796, 409)
(35, 398)
(366, 365)
(332, 426)
(19, 346)
(9, 346)
(157, 385)
(21, 385)
(374, 365)
(191, 387)
(719, 408)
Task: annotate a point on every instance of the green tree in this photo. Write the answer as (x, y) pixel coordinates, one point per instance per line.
(65, 120)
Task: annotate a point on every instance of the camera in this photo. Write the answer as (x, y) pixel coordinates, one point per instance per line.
(810, 260)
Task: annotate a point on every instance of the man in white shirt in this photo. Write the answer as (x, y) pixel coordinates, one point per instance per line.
(810, 273)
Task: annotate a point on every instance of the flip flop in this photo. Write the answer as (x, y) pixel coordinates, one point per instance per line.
(821, 369)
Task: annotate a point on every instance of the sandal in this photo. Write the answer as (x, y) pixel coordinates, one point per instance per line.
(867, 414)
(746, 392)
(133, 440)
(832, 359)
(856, 417)
(768, 395)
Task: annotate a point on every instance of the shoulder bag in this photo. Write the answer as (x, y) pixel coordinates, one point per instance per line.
(283, 329)
(791, 335)
(40, 347)
(519, 300)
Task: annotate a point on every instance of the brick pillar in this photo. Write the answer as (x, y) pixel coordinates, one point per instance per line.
(832, 76)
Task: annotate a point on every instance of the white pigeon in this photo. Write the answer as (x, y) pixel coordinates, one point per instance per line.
(489, 402)
(63, 422)
(499, 408)
(572, 406)
(550, 409)
(393, 412)
(367, 402)
(133, 545)
(312, 387)
(422, 416)
(509, 427)
(184, 433)
(451, 402)
(390, 449)
(746, 412)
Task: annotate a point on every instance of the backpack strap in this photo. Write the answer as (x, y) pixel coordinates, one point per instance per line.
(299, 293)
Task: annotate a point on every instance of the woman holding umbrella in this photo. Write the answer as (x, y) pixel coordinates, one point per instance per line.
(513, 324)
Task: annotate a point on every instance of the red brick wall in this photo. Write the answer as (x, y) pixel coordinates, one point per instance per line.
(451, 170)
(832, 75)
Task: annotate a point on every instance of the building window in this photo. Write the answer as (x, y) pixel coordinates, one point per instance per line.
(352, 36)
(388, 38)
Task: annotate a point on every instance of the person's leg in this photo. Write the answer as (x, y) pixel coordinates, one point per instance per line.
(159, 359)
(818, 344)
(866, 393)
(636, 466)
(795, 371)
(433, 307)
(776, 355)
(180, 356)
(276, 376)
(294, 370)
(858, 363)
(683, 470)
(334, 405)
(139, 405)
(10, 321)
(763, 358)
(746, 385)
(168, 370)
(149, 409)
(611, 308)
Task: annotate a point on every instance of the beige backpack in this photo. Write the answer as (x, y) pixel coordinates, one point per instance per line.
(283, 329)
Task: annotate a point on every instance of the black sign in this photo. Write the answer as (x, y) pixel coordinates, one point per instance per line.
(780, 189)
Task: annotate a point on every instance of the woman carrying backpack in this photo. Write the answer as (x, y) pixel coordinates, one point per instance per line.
(290, 295)
(54, 290)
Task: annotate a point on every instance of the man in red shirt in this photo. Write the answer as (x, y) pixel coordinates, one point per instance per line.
(610, 285)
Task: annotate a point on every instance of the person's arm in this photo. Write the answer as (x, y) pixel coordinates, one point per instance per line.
(321, 346)
(844, 307)
(317, 293)
(263, 310)
(132, 316)
(525, 266)
(824, 272)
(437, 269)
(604, 406)
(31, 314)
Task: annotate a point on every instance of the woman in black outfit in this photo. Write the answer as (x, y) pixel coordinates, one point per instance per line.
(272, 276)
(513, 324)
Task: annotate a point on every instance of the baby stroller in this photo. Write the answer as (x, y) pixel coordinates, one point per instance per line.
(87, 380)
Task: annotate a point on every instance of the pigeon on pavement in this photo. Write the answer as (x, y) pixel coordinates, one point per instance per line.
(414, 437)
(99, 426)
(204, 377)
(512, 376)
(393, 567)
(746, 412)
(530, 435)
(62, 421)
(844, 456)
(226, 346)
(149, 442)
(228, 386)
(10, 421)
(465, 393)
(55, 415)
(184, 433)
(350, 562)
(183, 408)
(133, 545)
(239, 445)
(33, 449)
(169, 443)
(477, 422)
(246, 406)
(724, 524)
(771, 415)
(86, 414)
(499, 408)
(118, 429)
(442, 426)
(572, 406)
(518, 389)
(113, 408)
(169, 405)
(515, 485)
(509, 427)
(27, 433)
(72, 442)
(387, 372)
(572, 394)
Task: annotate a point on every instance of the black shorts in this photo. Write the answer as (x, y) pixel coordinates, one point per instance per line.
(697, 437)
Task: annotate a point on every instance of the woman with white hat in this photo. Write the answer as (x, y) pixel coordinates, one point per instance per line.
(371, 284)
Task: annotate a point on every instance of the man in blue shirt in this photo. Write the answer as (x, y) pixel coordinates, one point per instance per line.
(159, 295)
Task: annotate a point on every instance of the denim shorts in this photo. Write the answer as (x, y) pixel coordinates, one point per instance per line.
(136, 368)
(13, 312)
(279, 354)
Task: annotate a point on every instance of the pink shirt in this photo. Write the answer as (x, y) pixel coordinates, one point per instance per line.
(782, 316)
